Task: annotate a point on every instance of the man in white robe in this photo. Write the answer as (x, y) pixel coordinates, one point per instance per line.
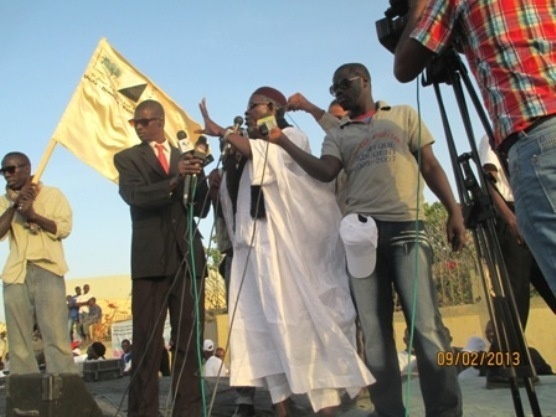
(292, 320)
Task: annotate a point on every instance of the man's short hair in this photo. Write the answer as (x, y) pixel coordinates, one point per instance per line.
(354, 69)
(153, 105)
(19, 155)
(99, 348)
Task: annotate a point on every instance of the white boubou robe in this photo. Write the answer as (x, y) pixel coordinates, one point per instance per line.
(291, 315)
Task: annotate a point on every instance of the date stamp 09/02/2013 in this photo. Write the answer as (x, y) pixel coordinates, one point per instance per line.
(480, 359)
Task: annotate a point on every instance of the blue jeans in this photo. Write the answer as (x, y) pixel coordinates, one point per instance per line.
(41, 296)
(532, 165)
(402, 262)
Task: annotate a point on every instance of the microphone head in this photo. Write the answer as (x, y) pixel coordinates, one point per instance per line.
(238, 121)
(184, 144)
(201, 148)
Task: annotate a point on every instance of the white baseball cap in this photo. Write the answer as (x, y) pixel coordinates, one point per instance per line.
(360, 236)
(208, 345)
(475, 344)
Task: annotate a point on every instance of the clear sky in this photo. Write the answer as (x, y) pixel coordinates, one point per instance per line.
(221, 50)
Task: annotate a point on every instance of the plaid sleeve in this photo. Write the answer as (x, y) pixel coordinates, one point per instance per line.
(434, 30)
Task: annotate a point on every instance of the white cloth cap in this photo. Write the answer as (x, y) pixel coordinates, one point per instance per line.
(208, 345)
(360, 240)
(475, 344)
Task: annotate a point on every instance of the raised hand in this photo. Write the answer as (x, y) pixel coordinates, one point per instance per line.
(211, 128)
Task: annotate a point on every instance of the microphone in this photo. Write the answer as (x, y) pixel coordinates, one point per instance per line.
(225, 146)
(185, 146)
(238, 121)
(200, 151)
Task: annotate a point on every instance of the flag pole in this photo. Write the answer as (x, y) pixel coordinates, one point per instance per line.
(45, 158)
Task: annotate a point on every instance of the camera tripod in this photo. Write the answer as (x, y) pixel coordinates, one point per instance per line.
(478, 211)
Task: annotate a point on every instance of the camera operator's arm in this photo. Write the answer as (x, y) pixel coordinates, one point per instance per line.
(239, 142)
(411, 57)
(436, 179)
(325, 168)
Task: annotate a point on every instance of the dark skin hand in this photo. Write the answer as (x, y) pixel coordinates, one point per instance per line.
(24, 207)
(188, 165)
(25, 199)
(215, 179)
(213, 129)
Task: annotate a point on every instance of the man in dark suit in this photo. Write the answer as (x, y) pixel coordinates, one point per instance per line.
(167, 266)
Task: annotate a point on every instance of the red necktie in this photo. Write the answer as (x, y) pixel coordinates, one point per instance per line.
(162, 158)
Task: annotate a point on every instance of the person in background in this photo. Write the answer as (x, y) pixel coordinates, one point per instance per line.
(407, 360)
(93, 316)
(220, 353)
(521, 266)
(96, 352)
(214, 366)
(73, 312)
(35, 218)
(498, 378)
(126, 356)
(82, 302)
(474, 346)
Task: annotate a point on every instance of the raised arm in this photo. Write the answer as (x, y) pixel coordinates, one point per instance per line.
(410, 57)
(213, 129)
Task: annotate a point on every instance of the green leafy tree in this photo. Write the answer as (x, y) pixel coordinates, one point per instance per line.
(454, 273)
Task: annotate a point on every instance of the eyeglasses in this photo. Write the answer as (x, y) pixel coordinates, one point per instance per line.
(10, 169)
(142, 122)
(344, 84)
(253, 105)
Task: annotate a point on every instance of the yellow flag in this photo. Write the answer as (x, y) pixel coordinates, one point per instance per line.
(95, 125)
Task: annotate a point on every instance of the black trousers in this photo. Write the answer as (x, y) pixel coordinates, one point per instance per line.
(151, 297)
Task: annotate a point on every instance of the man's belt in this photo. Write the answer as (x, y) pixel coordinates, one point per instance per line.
(506, 145)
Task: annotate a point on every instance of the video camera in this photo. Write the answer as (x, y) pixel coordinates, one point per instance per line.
(389, 29)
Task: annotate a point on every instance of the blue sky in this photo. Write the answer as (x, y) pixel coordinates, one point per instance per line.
(221, 50)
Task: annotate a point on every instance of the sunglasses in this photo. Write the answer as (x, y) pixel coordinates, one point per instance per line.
(10, 169)
(142, 122)
(344, 84)
(253, 105)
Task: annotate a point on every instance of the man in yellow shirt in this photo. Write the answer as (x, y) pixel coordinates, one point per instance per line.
(35, 218)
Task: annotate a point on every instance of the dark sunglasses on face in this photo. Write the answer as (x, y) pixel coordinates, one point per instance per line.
(142, 122)
(344, 84)
(10, 169)
(253, 105)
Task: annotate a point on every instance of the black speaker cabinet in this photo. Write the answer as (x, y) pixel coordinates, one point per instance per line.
(49, 395)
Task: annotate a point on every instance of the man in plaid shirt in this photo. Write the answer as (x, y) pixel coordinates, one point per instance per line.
(510, 46)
